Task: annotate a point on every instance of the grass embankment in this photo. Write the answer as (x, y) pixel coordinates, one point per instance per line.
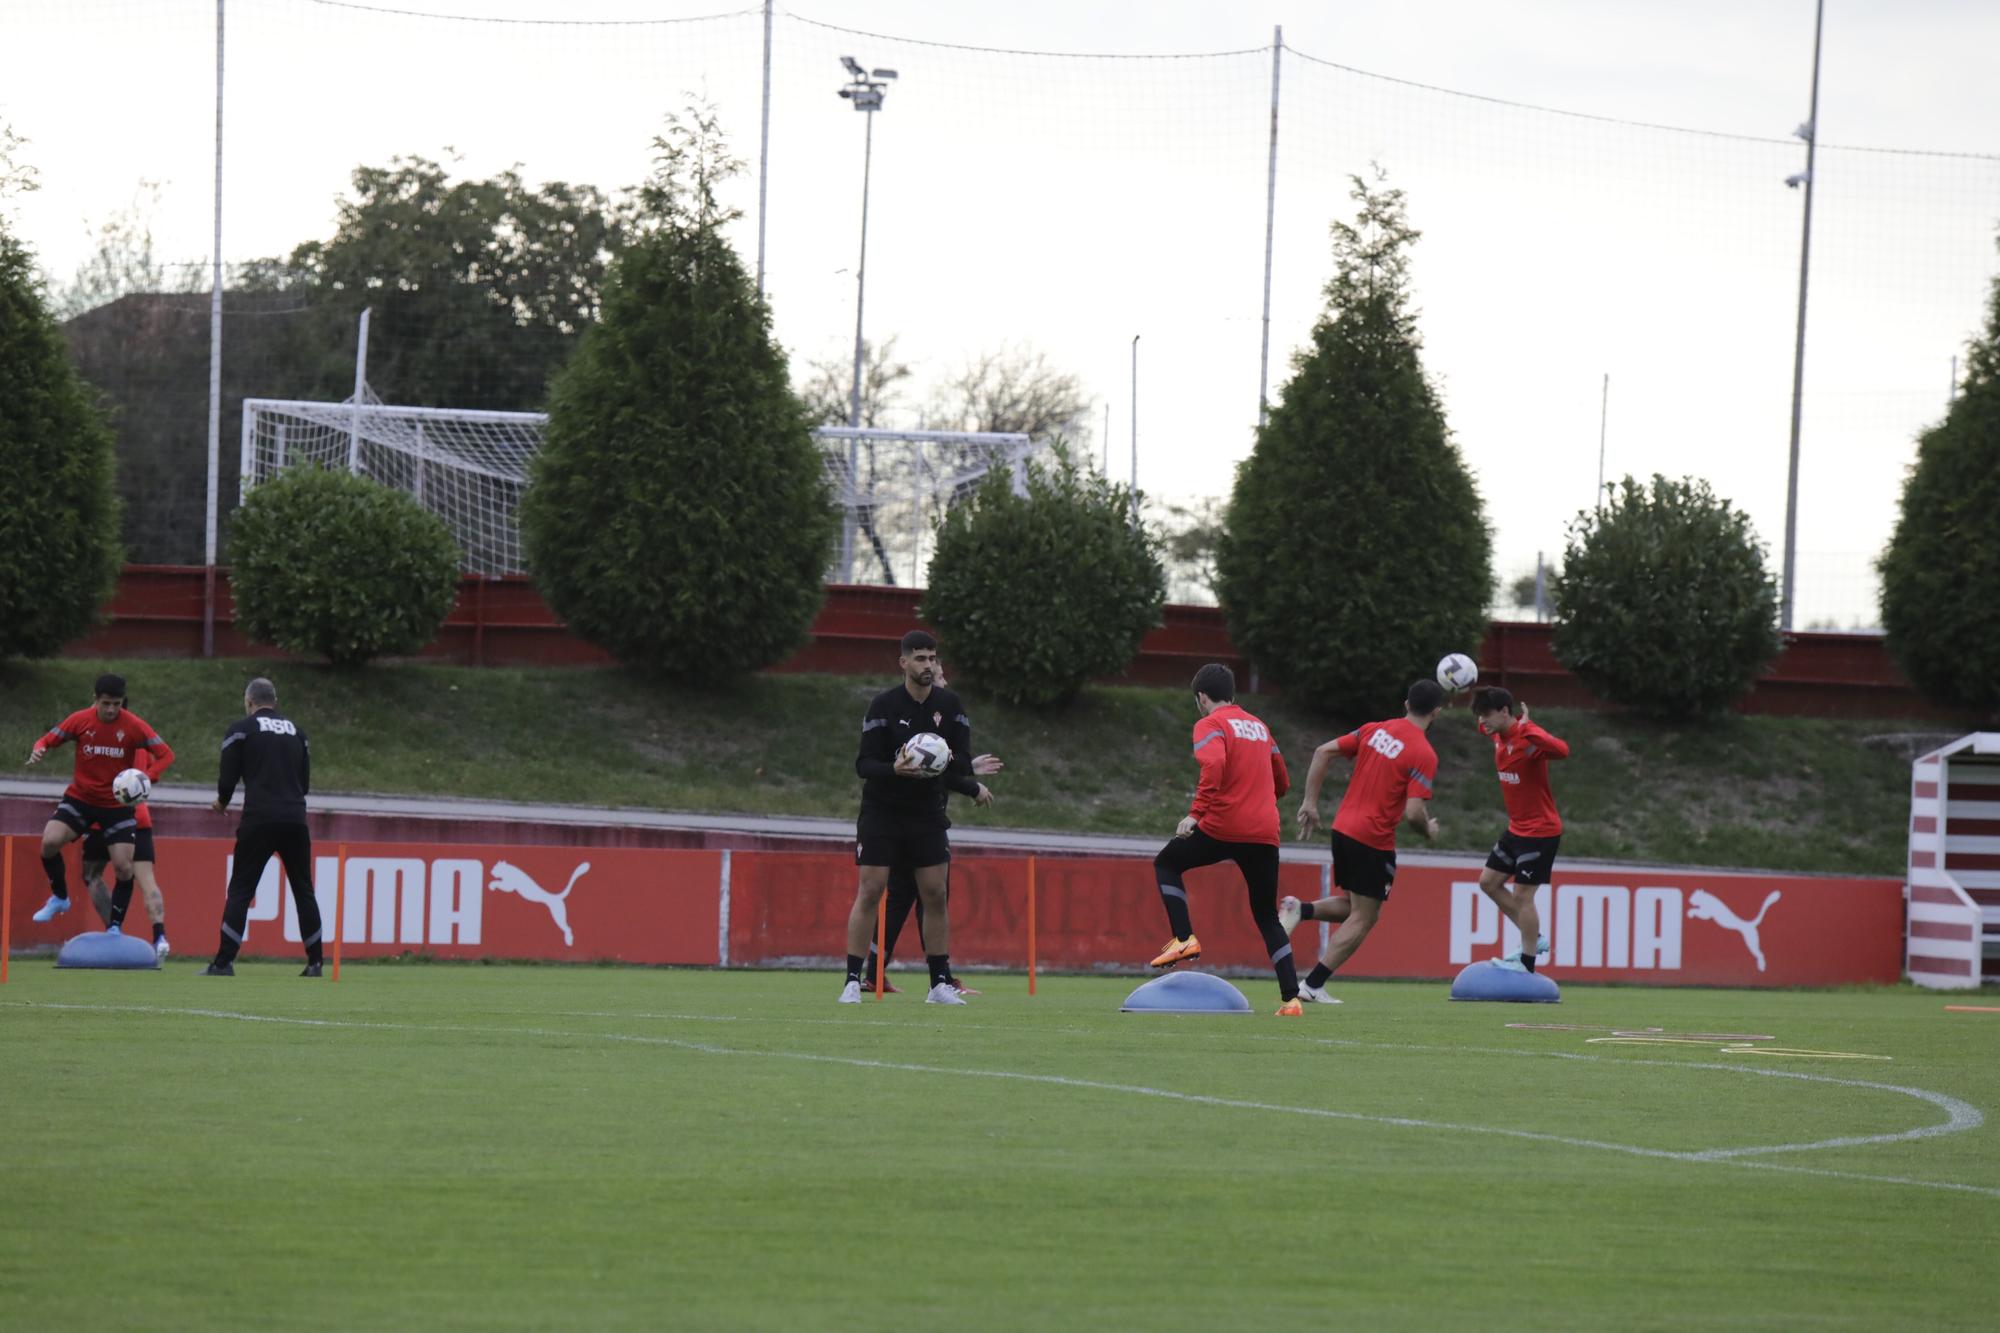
(1782, 793)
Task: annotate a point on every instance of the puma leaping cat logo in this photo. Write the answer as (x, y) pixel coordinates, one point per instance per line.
(512, 879)
(1705, 906)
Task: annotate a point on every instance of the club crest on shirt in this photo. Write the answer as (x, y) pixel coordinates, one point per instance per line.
(937, 719)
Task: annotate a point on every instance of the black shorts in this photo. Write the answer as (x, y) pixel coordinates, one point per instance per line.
(1359, 868)
(1524, 860)
(119, 823)
(903, 847)
(142, 846)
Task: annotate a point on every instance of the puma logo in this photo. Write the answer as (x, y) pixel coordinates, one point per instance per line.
(1705, 906)
(512, 879)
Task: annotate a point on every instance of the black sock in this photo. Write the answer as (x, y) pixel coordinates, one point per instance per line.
(1288, 979)
(1527, 960)
(1174, 898)
(159, 931)
(121, 901)
(868, 967)
(1305, 912)
(1318, 976)
(940, 965)
(53, 867)
(854, 967)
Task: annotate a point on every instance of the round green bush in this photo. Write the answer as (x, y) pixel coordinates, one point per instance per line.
(1039, 590)
(1941, 571)
(327, 564)
(1663, 602)
(59, 512)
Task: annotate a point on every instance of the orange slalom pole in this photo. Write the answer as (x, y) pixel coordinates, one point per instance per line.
(6, 902)
(339, 884)
(881, 942)
(1031, 925)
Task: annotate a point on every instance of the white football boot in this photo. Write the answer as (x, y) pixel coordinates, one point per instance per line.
(1316, 995)
(850, 993)
(944, 993)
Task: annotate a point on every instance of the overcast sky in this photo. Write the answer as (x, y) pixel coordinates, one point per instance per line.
(1070, 203)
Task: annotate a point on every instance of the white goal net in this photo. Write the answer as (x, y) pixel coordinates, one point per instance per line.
(469, 468)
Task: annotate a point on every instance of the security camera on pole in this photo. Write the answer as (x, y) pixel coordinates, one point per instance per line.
(866, 93)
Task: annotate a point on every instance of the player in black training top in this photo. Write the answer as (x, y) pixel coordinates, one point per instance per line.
(903, 818)
(902, 895)
(267, 752)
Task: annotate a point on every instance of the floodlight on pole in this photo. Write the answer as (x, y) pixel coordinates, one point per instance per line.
(865, 92)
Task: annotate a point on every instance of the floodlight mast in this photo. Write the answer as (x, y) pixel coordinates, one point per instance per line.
(865, 92)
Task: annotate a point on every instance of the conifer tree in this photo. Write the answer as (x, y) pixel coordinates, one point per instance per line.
(1355, 550)
(678, 514)
(1941, 571)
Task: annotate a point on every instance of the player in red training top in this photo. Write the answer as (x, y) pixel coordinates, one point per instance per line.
(1394, 768)
(108, 740)
(96, 856)
(1526, 852)
(1234, 818)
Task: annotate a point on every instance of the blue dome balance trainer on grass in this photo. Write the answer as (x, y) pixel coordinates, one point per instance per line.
(1484, 981)
(107, 948)
(1186, 993)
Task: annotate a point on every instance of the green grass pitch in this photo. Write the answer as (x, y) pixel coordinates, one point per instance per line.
(547, 1147)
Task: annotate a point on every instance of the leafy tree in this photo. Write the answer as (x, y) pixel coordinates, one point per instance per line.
(16, 176)
(1190, 532)
(678, 513)
(829, 387)
(1663, 602)
(59, 552)
(1356, 551)
(1010, 389)
(1941, 571)
(123, 262)
(477, 287)
(328, 564)
(1040, 589)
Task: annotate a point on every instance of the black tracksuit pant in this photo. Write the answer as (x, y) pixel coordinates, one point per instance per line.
(255, 846)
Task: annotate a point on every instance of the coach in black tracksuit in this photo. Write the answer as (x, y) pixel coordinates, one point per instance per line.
(267, 751)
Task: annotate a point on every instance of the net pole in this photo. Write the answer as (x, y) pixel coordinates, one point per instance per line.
(1031, 925)
(214, 367)
(881, 942)
(6, 903)
(339, 886)
(1270, 225)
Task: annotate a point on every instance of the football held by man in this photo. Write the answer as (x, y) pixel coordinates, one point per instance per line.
(108, 740)
(1526, 852)
(1394, 769)
(1234, 818)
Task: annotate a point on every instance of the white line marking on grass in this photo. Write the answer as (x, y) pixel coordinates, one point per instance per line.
(1960, 1115)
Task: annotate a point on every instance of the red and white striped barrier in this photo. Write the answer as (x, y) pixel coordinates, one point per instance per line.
(1952, 940)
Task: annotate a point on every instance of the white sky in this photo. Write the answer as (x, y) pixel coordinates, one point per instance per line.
(1072, 203)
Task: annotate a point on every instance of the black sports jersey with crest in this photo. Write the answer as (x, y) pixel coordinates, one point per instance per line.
(890, 721)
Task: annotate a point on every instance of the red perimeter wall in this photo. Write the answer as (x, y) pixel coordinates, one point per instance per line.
(157, 611)
(504, 899)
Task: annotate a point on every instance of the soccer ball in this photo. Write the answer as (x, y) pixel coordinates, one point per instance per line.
(1456, 672)
(930, 752)
(131, 787)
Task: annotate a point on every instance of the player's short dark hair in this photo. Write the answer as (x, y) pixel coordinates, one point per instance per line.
(109, 685)
(1216, 681)
(1492, 699)
(917, 640)
(261, 691)
(1425, 696)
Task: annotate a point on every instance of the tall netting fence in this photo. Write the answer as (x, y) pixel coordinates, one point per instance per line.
(1071, 204)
